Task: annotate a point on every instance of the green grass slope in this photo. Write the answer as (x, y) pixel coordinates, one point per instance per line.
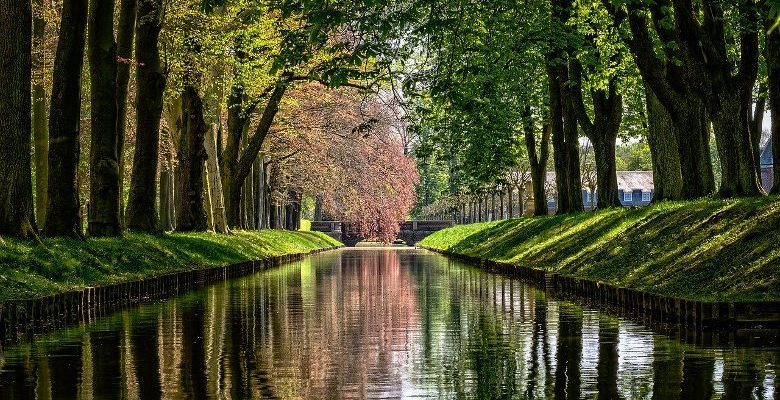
(703, 250)
(29, 270)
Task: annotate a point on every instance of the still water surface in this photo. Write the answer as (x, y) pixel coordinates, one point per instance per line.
(376, 323)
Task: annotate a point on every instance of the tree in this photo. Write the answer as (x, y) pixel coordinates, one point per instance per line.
(669, 73)
(40, 133)
(141, 212)
(16, 200)
(563, 118)
(190, 212)
(125, 32)
(537, 163)
(104, 161)
(63, 205)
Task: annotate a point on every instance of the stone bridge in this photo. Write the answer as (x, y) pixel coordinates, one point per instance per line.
(411, 231)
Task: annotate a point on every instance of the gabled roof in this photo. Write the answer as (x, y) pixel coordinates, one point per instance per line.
(635, 180)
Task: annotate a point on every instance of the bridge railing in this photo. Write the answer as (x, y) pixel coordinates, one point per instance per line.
(326, 226)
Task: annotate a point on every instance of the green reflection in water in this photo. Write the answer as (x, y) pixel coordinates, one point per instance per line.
(375, 323)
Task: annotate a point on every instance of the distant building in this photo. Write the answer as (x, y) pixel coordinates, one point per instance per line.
(767, 166)
(635, 189)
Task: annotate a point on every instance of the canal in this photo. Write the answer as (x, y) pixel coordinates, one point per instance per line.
(376, 323)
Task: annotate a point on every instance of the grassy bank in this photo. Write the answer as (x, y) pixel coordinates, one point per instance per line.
(30, 270)
(704, 250)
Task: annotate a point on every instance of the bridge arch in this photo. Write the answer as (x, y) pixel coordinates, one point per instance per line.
(411, 232)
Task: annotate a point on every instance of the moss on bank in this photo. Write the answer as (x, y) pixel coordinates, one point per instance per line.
(727, 250)
(29, 270)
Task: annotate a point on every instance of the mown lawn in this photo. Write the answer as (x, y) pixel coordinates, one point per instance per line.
(29, 270)
(710, 250)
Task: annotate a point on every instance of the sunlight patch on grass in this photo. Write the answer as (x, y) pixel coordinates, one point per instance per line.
(705, 249)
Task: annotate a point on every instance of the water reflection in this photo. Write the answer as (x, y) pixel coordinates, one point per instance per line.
(369, 323)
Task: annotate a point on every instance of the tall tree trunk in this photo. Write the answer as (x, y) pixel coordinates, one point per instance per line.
(125, 32)
(104, 161)
(671, 80)
(564, 140)
(602, 130)
(191, 214)
(662, 140)
(538, 163)
(62, 201)
(510, 202)
(318, 208)
(237, 160)
(773, 72)
(757, 126)
(207, 200)
(739, 175)
(166, 190)
(274, 218)
(16, 199)
(215, 183)
(40, 132)
(151, 80)
(693, 144)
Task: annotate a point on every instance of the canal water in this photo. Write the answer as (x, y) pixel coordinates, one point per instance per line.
(376, 323)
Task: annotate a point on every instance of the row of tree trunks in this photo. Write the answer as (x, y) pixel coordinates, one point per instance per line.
(141, 209)
(63, 207)
(16, 199)
(104, 161)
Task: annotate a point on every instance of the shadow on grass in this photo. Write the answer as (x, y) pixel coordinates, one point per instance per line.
(706, 249)
(28, 270)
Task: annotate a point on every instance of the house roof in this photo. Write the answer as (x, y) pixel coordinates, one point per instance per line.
(627, 180)
(635, 180)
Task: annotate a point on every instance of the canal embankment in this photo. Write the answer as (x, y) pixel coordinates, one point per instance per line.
(31, 270)
(61, 282)
(709, 262)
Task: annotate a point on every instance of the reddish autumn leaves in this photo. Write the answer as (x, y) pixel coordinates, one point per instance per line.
(343, 148)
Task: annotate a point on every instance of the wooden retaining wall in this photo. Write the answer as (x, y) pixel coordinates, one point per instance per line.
(651, 308)
(24, 318)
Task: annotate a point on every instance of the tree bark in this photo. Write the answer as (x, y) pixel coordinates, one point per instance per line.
(104, 161)
(40, 132)
(151, 81)
(671, 84)
(756, 127)
(63, 207)
(237, 163)
(662, 140)
(191, 214)
(166, 190)
(538, 162)
(16, 199)
(564, 139)
(125, 32)
(215, 183)
(602, 130)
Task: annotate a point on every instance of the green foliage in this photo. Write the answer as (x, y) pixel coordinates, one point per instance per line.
(633, 156)
(28, 270)
(702, 250)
